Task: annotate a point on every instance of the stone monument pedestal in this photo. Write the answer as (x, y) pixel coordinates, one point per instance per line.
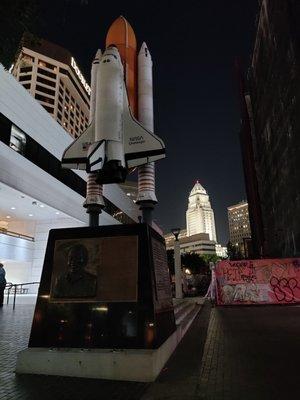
(104, 307)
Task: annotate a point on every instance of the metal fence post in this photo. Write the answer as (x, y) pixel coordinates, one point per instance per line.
(15, 294)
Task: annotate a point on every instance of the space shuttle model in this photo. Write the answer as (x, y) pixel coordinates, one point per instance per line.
(115, 141)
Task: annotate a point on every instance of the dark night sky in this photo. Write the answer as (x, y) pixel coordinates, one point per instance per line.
(196, 107)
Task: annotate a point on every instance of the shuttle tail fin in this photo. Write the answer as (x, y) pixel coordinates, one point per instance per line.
(75, 155)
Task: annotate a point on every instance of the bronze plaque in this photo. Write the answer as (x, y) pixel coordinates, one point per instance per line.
(162, 277)
(95, 269)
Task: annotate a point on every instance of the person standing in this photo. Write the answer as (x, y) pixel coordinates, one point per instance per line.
(2, 283)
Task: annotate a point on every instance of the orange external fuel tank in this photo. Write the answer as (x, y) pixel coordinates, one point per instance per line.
(122, 35)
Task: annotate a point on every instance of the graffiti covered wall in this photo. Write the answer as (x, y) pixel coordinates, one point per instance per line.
(267, 281)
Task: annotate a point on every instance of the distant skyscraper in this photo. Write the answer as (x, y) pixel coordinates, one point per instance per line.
(51, 75)
(199, 215)
(239, 225)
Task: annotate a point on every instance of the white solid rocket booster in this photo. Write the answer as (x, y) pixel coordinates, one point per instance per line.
(94, 191)
(94, 70)
(146, 173)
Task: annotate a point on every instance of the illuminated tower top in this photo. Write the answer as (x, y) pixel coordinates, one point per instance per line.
(200, 215)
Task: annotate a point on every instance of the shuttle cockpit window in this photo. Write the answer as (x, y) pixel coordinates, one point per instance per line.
(17, 140)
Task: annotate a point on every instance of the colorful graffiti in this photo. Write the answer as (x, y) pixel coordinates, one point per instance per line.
(265, 281)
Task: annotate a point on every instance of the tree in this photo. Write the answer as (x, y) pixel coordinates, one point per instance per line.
(233, 252)
(195, 263)
(210, 258)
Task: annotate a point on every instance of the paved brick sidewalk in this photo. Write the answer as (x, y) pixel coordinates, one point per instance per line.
(244, 353)
(251, 353)
(180, 377)
(14, 333)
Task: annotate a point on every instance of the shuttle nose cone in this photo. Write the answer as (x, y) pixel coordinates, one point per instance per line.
(112, 54)
(144, 52)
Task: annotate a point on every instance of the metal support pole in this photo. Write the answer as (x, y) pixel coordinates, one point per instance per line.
(93, 219)
(94, 212)
(178, 274)
(8, 293)
(15, 294)
(147, 211)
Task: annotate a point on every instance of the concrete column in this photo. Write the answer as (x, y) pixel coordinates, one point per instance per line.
(178, 275)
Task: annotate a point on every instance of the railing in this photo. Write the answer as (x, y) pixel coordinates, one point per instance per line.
(17, 235)
(17, 288)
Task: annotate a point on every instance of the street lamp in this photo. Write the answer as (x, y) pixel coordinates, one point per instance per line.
(178, 283)
(176, 232)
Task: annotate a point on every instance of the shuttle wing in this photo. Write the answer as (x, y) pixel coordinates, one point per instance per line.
(140, 145)
(75, 156)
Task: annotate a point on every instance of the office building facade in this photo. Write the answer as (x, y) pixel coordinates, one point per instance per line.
(199, 243)
(239, 225)
(51, 75)
(273, 81)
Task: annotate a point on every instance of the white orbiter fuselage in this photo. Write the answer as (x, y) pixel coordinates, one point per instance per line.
(114, 141)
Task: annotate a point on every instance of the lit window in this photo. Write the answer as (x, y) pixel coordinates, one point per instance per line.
(17, 139)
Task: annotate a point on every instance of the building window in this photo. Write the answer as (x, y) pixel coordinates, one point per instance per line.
(25, 69)
(47, 65)
(17, 140)
(63, 71)
(26, 85)
(44, 99)
(25, 78)
(46, 73)
(49, 109)
(45, 81)
(79, 89)
(45, 90)
(26, 57)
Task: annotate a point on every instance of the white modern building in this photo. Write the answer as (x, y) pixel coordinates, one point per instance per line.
(51, 75)
(36, 194)
(199, 243)
(200, 215)
(221, 251)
